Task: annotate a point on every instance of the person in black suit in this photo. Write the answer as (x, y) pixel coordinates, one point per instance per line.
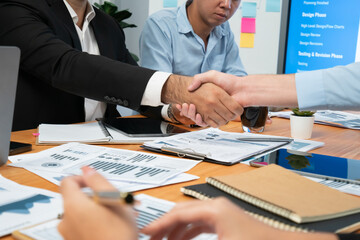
(55, 75)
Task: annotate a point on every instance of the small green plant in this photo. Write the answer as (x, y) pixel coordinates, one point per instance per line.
(119, 16)
(297, 112)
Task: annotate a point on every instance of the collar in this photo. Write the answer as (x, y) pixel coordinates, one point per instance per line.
(184, 25)
(90, 13)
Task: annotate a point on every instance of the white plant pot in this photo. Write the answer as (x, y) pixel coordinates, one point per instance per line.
(301, 127)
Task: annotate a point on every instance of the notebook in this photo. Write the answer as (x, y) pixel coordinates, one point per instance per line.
(90, 133)
(346, 224)
(287, 194)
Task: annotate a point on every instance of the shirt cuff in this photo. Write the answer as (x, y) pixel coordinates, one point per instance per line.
(164, 113)
(152, 93)
(310, 90)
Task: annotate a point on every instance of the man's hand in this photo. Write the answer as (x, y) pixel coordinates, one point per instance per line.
(214, 105)
(189, 219)
(85, 219)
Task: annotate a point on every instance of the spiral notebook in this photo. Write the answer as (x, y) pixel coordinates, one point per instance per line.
(287, 194)
(346, 224)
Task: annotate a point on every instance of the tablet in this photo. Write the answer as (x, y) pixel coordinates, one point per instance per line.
(311, 164)
(142, 127)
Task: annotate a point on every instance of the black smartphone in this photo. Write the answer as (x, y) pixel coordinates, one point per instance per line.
(142, 127)
(18, 147)
(311, 164)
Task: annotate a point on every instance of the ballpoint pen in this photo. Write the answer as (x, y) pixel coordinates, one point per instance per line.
(266, 139)
(110, 197)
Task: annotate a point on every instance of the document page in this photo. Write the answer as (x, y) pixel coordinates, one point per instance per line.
(331, 118)
(215, 144)
(148, 210)
(23, 206)
(114, 164)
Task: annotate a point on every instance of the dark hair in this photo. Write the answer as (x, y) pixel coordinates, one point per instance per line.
(188, 2)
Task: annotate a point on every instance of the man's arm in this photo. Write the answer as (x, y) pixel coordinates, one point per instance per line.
(214, 105)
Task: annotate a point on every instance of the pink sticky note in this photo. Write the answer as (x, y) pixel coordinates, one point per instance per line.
(248, 25)
(36, 134)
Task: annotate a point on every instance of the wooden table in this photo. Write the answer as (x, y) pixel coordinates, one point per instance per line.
(338, 142)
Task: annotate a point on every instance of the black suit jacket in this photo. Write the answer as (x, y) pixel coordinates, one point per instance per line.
(55, 75)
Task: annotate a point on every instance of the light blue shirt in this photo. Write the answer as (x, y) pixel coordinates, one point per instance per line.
(168, 43)
(335, 88)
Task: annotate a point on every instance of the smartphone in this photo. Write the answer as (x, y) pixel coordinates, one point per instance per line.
(312, 165)
(142, 127)
(18, 147)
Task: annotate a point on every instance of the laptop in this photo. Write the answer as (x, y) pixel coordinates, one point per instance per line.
(9, 68)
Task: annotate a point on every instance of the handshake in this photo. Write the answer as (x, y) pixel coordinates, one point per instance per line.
(214, 98)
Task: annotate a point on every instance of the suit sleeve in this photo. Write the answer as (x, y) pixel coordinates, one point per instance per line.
(49, 59)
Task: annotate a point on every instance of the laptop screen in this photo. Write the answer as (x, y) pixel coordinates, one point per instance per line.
(9, 67)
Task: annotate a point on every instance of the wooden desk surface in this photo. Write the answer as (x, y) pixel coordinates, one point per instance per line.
(338, 142)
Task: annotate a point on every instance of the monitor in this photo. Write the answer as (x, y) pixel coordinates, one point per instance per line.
(9, 67)
(318, 34)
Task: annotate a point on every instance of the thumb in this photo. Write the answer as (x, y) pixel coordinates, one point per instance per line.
(96, 181)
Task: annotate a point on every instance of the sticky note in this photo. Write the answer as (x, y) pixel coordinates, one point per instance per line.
(248, 25)
(170, 3)
(247, 40)
(272, 6)
(248, 9)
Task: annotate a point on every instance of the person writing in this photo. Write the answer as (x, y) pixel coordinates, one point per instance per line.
(85, 219)
(75, 67)
(194, 38)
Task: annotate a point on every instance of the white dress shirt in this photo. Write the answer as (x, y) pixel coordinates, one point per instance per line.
(95, 109)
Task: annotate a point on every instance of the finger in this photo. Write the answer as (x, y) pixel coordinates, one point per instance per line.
(178, 106)
(201, 78)
(192, 112)
(199, 121)
(185, 109)
(187, 212)
(95, 181)
(70, 188)
(233, 107)
(196, 229)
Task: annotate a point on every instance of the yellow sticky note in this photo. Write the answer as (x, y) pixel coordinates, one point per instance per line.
(247, 40)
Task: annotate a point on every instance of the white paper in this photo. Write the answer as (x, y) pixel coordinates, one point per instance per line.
(332, 118)
(23, 206)
(85, 133)
(341, 186)
(218, 145)
(114, 164)
(148, 210)
(123, 186)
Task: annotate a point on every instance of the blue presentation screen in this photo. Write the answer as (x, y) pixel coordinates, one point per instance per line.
(322, 34)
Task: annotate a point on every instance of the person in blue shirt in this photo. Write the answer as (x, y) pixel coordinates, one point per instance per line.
(192, 39)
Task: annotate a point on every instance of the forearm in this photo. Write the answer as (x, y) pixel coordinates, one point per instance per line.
(175, 89)
(269, 90)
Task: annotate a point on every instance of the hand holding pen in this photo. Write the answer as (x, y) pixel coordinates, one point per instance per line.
(82, 214)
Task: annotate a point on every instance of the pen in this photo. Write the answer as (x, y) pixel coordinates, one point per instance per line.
(110, 197)
(258, 139)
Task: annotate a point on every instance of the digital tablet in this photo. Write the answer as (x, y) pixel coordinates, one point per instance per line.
(311, 164)
(141, 127)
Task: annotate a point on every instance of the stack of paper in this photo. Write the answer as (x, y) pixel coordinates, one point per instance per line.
(226, 148)
(127, 170)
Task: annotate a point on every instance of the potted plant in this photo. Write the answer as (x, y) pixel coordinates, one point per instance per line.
(120, 16)
(301, 123)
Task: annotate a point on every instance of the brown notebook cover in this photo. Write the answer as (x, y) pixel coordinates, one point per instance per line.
(287, 194)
